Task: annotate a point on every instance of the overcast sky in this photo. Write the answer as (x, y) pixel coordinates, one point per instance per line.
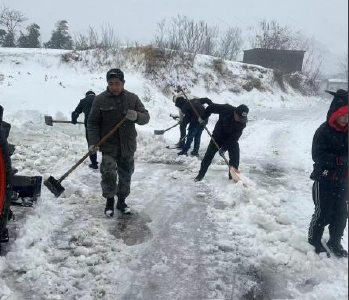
(327, 21)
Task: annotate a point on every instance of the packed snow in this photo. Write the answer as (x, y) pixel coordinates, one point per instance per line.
(209, 240)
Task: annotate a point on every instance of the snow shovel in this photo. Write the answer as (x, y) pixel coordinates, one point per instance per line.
(233, 174)
(161, 132)
(49, 121)
(55, 186)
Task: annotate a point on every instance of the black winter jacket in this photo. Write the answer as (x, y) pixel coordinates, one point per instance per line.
(190, 116)
(227, 131)
(84, 106)
(330, 147)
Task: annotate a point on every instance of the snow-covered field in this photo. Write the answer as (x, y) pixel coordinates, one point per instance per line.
(188, 241)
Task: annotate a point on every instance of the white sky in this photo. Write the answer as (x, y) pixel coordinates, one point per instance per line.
(327, 21)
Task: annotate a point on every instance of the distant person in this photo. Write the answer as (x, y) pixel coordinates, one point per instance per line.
(179, 118)
(330, 175)
(109, 109)
(195, 128)
(85, 106)
(228, 130)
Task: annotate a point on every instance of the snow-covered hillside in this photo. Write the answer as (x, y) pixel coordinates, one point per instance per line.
(188, 241)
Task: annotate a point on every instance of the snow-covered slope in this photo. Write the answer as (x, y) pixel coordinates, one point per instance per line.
(208, 240)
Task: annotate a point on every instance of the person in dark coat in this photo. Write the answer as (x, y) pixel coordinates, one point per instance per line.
(85, 106)
(330, 175)
(195, 128)
(109, 109)
(228, 130)
(5, 179)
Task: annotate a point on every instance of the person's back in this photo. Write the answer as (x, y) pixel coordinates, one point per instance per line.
(226, 125)
(85, 106)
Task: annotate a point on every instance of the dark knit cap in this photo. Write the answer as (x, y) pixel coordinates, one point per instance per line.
(242, 111)
(90, 93)
(115, 73)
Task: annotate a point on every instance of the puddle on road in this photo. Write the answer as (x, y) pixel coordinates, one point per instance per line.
(133, 230)
(267, 285)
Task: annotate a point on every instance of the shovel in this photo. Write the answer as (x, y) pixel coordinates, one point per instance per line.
(232, 172)
(49, 121)
(161, 132)
(55, 186)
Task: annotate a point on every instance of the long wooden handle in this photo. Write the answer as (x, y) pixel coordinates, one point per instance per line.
(66, 122)
(172, 127)
(102, 141)
(235, 177)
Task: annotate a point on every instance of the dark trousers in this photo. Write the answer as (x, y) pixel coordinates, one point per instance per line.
(194, 134)
(112, 168)
(331, 201)
(93, 157)
(234, 157)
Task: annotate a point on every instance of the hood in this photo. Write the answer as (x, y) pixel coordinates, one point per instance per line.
(339, 107)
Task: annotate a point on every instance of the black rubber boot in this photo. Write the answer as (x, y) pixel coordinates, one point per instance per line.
(194, 153)
(199, 177)
(336, 247)
(93, 166)
(123, 207)
(109, 207)
(182, 153)
(319, 248)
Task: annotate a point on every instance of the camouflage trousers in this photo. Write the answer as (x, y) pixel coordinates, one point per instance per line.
(116, 176)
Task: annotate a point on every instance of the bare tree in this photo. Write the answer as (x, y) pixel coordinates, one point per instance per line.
(11, 19)
(87, 41)
(230, 44)
(313, 59)
(183, 34)
(344, 66)
(271, 35)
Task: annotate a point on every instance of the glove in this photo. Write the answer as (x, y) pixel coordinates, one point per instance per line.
(132, 115)
(201, 121)
(222, 151)
(74, 118)
(92, 149)
(174, 117)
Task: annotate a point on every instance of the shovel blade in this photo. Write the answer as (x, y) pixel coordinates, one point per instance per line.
(54, 186)
(48, 121)
(159, 132)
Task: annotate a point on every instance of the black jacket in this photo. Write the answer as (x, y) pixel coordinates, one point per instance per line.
(190, 116)
(330, 147)
(84, 106)
(227, 131)
(5, 162)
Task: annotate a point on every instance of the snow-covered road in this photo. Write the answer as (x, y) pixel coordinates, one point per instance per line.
(187, 241)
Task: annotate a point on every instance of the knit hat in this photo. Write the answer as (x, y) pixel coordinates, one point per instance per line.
(242, 111)
(115, 73)
(90, 93)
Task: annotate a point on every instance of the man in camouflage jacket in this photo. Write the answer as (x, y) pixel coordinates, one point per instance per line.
(109, 108)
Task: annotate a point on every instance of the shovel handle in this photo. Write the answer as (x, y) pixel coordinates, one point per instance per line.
(66, 122)
(172, 127)
(102, 141)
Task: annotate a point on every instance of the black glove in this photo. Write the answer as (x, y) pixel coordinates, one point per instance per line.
(74, 118)
(174, 117)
